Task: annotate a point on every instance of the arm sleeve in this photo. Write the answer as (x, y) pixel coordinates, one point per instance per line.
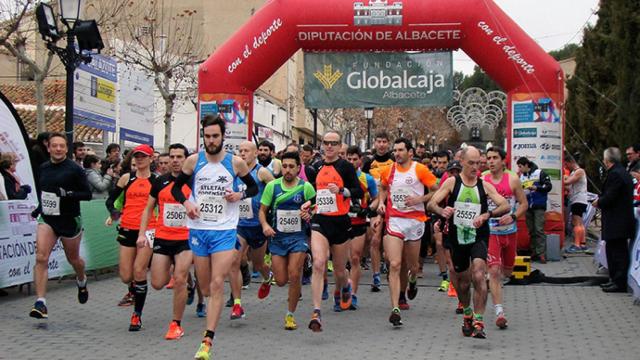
(311, 174)
(176, 191)
(545, 183)
(156, 187)
(252, 187)
(614, 186)
(267, 195)
(113, 195)
(366, 167)
(372, 186)
(426, 177)
(309, 192)
(350, 179)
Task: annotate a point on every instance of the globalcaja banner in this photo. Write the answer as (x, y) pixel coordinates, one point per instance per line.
(537, 135)
(352, 80)
(18, 242)
(234, 108)
(94, 93)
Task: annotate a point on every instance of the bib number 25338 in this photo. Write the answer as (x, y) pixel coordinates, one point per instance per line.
(326, 201)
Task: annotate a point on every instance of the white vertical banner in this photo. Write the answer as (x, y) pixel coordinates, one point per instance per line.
(136, 105)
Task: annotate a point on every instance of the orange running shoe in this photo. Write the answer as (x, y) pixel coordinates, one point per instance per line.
(175, 331)
(345, 297)
(136, 323)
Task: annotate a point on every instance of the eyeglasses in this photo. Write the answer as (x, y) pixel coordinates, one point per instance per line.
(332, 143)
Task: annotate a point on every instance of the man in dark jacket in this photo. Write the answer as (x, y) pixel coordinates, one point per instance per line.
(618, 223)
(536, 184)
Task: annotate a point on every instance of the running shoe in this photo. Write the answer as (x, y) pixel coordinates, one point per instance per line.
(170, 284)
(136, 322)
(201, 310)
(403, 304)
(316, 321)
(175, 331)
(127, 300)
(444, 286)
(354, 302)
(255, 274)
(83, 294)
(290, 322)
(330, 266)
(203, 350)
(460, 309)
(375, 287)
(191, 294)
(478, 330)
(412, 292)
(39, 311)
(395, 318)
(265, 288)
(501, 321)
(306, 280)
(229, 302)
(467, 325)
(325, 291)
(336, 301)
(237, 312)
(574, 249)
(345, 297)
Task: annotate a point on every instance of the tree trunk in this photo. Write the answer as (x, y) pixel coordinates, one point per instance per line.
(168, 117)
(40, 104)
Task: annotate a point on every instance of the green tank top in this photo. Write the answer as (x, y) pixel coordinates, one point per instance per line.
(467, 207)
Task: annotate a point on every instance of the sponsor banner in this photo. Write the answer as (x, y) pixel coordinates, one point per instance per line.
(537, 135)
(18, 242)
(351, 80)
(136, 105)
(234, 108)
(95, 95)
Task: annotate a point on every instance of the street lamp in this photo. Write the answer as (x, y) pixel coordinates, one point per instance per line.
(88, 36)
(368, 114)
(433, 142)
(399, 125)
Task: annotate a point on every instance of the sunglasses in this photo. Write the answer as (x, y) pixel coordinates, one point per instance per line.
(332, 143)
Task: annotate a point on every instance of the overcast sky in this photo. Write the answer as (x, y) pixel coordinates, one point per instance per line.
(552, 23)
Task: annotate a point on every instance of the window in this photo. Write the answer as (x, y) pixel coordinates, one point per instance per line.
(273, 120)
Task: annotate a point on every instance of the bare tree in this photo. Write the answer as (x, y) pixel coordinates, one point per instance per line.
(19, 35)
(164, 42)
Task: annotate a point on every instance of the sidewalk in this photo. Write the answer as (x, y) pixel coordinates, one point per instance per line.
(545, 322)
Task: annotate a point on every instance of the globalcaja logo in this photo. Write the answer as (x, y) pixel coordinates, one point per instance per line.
(328, 77)
(551, 134)
(524, 146)
(525, 133)
(377, 12)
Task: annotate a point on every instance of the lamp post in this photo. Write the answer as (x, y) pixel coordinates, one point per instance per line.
(433, 142)
(399, 125)
(368, 114)
(88, 37)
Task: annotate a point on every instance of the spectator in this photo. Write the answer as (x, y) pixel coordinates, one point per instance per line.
(113, 157)
(536, 185)
(79, 152)
(618, 223)
(38, 154)
(633, 156)
(100, 184)
(12, 187)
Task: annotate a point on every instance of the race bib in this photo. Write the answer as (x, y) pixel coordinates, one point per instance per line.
(50, 204)
(326, 201)
(174, 215)
(289, 221)
(465, 213)
(212, 208)
(151, 236)
(246, 209)
(399, 197)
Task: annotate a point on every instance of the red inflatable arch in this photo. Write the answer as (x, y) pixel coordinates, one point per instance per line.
(479, 27)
